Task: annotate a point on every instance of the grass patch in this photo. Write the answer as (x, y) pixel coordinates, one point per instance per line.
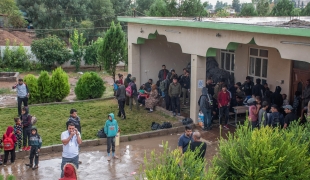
(109, 92)
(52, 119)
(5, 91)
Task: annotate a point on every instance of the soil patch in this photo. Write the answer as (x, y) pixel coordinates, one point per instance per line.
(19, 37)
(296, 23)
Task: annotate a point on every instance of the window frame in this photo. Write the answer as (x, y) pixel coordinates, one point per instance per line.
(231, 54)
(253, 68)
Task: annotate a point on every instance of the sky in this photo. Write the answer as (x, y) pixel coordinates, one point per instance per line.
(213, 2)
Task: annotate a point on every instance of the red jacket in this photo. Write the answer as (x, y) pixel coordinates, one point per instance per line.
(223, 99)
(9, 131)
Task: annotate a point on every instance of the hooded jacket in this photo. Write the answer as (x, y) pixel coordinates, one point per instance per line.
(121, 93)
(111, 126)
(35, 139)
(127, 80)
(69, 172)
(205, 96)
(276, 97)
(26, 119)
(9, 131)
(76, 121)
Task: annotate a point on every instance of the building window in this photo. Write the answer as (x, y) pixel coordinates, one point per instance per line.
(228, 61)
(258, 64)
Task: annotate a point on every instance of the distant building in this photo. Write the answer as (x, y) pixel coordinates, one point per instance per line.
(231, 11)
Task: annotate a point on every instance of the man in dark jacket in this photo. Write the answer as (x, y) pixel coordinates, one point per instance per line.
(27, 125)
(148, 85)
(247, 86)
(163, 73)
(206, 108)
(185, 83)
(210, 86)
(121, 95)
(258, 89)
(75, 119)
(134, 96)
(276, 97)
(290, 116)
(175, 93)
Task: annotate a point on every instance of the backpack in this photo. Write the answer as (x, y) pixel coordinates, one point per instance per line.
(187, 121)
(101, 134)
(8, 143)
(155, 126)
(275, 121)
(115, 87)
(129, 90)
(166, 125)
(33, 120)
(209, 102)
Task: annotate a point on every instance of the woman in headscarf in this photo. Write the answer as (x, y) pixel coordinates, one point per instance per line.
(151, 102)
(8, 147)
(126, 83)
(69, 172)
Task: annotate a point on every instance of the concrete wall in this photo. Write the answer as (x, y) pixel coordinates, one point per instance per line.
(155, 53)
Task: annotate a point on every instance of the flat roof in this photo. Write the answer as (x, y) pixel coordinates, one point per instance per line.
(265, 25)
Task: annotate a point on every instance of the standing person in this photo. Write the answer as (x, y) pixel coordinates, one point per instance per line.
(22, 94)
(206, 105)
(285, 101)
(175, 93)
(290, 116)
(198, 144)
(18, 129)
(71, 139)
(163, 73)
(253, 112)
(171, 75)
(209, 86)
(262, 114)
(185, 83)
(151, 102)
(247, 87)
(181, 76)
(35, 141)
(258, 89)
(134, 96)
(9, 141)
(120, 78)
(305, 98)
(111, 129)
(75, 119)
(126, 83)
(185, 139)
(223, 101)
(26, 124)
(297, 102)
(164, 87)
(121, 97)
(218, 88)
(275, 118)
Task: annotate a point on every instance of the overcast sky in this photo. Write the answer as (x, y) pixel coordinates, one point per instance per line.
(213, 2)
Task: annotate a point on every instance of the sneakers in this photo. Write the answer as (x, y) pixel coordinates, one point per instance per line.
(4, 165)
(27, 148)
(20, 150)
(109, 158)
(35, 167)
(226, 127)
(29, 165)
(24, 148)
(115, 157)
(80, 162)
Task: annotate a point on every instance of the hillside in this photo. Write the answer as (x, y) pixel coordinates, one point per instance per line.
(20, 37)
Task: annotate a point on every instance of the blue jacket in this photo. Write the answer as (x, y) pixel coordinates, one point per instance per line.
(35, 139)
(274, 115)
(111, 127)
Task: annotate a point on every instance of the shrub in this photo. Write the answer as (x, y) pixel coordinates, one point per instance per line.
(172, 165)
(89, 86)
(9, 177)
(16, 57)
(44, 87)
(32, 84)
(264, 154)
(60, 87)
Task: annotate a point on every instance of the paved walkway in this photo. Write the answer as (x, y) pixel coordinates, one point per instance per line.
(94, 163)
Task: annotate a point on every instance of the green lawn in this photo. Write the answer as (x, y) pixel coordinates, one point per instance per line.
(52, 119)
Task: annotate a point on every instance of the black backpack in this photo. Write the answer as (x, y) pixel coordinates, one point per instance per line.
(187, 121)
(166, 125)
(275, 121)
(101, 134)
(155, 126)
(209, 101)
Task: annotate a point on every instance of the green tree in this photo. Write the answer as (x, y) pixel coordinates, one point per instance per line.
(44, 87)
(306, 11)
(248, 9)
(89, 86)
(192, 8)
(143, 6)
(159, 9)
(77, 44)
(9, 8)
(50, 50)
(222, 13)
(236, 5)
(113, 49)
(220, 5)
(60, 87)
(101, 12)
(16, 57)
(283, 8)
(32, 84)
(91, 52)
(296, 12)
(121, 7)
(172, 7)
(262, 7)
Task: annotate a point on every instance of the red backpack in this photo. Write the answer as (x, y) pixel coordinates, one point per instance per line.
(129, 90)
(8, 143)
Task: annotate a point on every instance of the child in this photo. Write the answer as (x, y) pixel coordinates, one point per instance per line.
(262, 115)
(69, 172)
(18, 129)
(9, 141)
(111, 129)
(115, 87)
(35, 142)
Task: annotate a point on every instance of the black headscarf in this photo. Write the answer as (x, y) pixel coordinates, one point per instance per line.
(128, 80)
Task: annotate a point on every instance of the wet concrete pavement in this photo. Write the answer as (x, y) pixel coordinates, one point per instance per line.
(94, 163)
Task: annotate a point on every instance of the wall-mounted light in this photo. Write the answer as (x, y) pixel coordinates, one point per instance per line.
(141, 31)
(173, 31)
(218, 35)
(295, 43)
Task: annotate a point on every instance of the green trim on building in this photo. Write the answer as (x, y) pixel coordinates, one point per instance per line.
(232, 46)
(221, 26)
(211, 52)
(152, 36)
(140, 40)
(252, 41)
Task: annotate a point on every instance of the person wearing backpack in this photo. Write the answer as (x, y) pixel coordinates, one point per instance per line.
(275, 118)
(132, 92)
(26, 124)
(206, 105)
(126, 83)
(9, 140)
(121, 95)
